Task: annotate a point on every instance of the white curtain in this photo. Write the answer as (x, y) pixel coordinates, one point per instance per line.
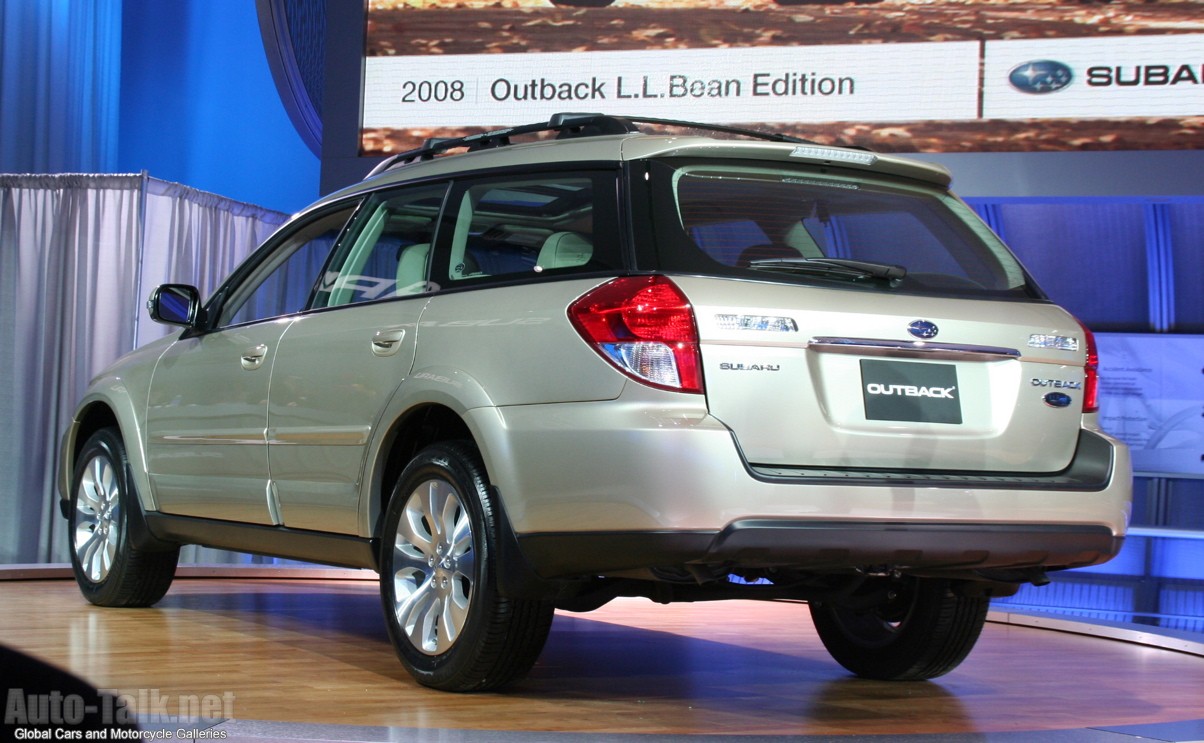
(79, 254)
(193, 237)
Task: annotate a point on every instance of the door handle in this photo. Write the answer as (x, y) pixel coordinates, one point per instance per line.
(252, 358)
(387, 342)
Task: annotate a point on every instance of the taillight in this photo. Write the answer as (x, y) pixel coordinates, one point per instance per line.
(1090, 373)
(645, 326)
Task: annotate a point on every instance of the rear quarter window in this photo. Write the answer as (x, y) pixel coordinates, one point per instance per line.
(529, 226)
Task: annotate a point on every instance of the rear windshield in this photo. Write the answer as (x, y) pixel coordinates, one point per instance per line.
(772, 222)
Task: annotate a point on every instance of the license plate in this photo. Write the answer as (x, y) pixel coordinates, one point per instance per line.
(910, 391)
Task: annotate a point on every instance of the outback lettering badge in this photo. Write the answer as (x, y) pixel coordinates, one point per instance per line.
(907, 390)
(916, 391)
(1061, 384)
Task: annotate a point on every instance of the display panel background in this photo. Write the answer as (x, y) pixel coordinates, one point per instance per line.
(1151, 397)
(927, 78)
(897, 75)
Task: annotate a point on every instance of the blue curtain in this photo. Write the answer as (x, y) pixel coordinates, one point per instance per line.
(60, 68)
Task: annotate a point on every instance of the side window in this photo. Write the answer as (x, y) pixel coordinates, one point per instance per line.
(387, 250)
(284, 281)
(526, 226)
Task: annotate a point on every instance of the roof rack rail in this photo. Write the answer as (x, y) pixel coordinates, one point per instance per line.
(568, 126)
(741, 131)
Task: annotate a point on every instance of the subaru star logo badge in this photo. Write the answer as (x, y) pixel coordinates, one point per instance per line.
(1040, 76)
(1057, 399)
(923, 329)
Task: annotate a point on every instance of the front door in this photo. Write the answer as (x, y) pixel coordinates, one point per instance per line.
(205, 423)
(207, 412)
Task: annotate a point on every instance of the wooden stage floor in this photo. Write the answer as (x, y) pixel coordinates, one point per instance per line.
(315, 652)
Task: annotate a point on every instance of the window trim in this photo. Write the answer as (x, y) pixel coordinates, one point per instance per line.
(249, 269)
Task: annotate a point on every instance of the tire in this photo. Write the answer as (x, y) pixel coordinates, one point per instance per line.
(451, 628)
(925, 630)
(109, 569)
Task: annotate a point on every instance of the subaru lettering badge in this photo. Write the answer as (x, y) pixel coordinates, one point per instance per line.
(923, 329)
(1040, 76)
(1057, 400)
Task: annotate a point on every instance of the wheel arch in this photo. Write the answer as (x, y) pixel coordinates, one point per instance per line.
(94, 416)
(430, 405)
(431, 423)
(95, 413)
(419, 427)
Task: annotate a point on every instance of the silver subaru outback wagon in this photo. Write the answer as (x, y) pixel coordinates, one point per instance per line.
(541, 375)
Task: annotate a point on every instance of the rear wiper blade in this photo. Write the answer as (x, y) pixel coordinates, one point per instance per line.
(842, 267)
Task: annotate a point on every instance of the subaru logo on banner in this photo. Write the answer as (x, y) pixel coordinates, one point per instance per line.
(1040, 76)
(923, 329)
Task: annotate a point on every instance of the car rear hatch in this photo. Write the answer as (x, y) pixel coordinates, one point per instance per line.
(820, 378)
(862, 320)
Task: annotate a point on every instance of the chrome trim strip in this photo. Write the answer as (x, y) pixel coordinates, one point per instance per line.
(221, 439)
(911, 349)
(351, 436)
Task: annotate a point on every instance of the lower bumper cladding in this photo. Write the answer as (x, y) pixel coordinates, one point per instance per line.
(826, 546)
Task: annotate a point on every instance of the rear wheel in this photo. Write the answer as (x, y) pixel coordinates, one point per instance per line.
(109, 569)
(450, 627)
(922, 630)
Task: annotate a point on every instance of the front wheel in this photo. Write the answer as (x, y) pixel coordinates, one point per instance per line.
(450, 627)
(109, 569)
(923, 629)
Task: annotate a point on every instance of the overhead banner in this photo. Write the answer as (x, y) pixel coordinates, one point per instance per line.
(1152, 398)
(772, 85)
(894, 76)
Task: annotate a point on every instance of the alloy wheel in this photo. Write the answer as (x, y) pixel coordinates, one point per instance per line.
(434, 567)
(97, 518)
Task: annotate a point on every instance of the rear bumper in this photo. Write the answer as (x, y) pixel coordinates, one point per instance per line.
(1090, 470)
(827, 546)
(620, 485)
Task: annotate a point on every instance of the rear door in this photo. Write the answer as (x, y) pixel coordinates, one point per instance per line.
(338, 365)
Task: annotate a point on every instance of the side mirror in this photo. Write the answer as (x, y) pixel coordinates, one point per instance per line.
(174, 304)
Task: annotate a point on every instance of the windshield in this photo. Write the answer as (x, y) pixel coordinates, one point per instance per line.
(796, 224)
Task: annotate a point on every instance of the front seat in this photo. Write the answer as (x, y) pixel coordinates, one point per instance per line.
(564, 250)
(411, 269)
